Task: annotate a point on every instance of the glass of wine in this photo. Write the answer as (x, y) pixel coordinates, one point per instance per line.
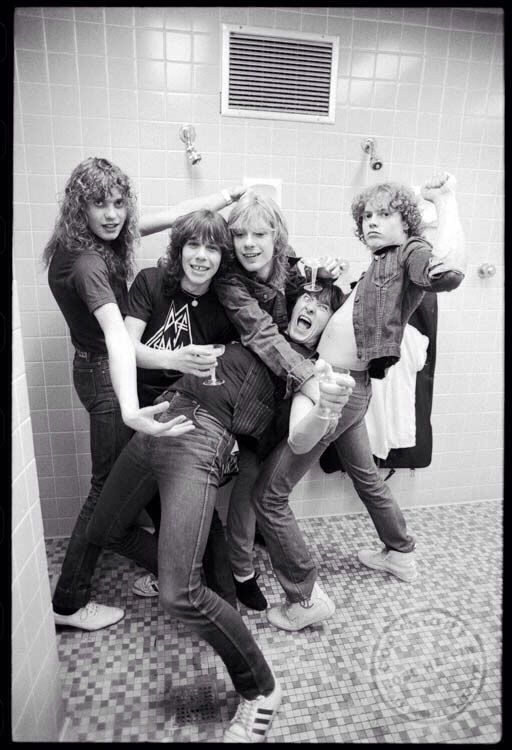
(218, 350)
(314, 264)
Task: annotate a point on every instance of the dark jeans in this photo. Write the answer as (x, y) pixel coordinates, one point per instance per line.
(188, 470)
(241, 520)
(291, 559)
(108, 435)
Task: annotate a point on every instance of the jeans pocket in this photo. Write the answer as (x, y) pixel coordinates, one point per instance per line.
(179, 405)
(85, 385)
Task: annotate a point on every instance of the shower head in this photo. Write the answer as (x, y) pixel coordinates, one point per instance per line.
(188, 136)
(375, 163)
(368, 147)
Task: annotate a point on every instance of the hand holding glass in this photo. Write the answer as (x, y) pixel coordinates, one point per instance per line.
(218, 350)
(328, 376)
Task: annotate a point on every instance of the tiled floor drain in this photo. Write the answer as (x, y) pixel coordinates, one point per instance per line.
(195, 705)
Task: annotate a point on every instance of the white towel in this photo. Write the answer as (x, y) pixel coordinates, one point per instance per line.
(391, 415)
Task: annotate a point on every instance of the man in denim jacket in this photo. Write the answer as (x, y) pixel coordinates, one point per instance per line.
(364, 336)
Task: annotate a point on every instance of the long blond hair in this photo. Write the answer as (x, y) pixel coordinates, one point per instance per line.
(253, 207)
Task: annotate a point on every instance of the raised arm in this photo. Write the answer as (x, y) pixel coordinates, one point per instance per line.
(449, 243)
(161, 220)
(121, 357)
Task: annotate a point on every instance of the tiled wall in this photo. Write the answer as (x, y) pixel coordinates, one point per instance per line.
(37, 711)
(427, 83)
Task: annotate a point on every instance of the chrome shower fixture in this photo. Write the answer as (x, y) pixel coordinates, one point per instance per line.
(188, 136)
(368, 147)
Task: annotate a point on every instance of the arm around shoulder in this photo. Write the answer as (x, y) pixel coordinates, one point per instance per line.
(161, 220)
(260, 334)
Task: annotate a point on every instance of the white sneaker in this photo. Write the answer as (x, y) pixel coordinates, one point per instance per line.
(298, 615)
(252, 720)
(146, 586)
(400, 564)
(93, 616)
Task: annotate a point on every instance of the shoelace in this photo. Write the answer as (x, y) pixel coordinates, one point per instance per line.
(304, 603)
(89, 610)
(254, 719)
(245, 713)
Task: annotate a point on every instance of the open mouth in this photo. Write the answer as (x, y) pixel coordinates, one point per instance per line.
(303, 323)
(199, 269)
(251, 256)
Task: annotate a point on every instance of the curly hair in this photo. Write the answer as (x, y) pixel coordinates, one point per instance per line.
(394, 196)
(205, 226)
(252, 208)
(94, 179)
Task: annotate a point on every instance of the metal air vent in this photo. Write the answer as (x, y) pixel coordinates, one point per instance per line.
(278, 75)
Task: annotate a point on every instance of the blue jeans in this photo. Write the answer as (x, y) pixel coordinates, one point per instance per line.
(291, 560)
(108, 435)
(188, 470)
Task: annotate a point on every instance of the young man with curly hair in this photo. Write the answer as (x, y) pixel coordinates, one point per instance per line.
(90, 260)
(363, 335)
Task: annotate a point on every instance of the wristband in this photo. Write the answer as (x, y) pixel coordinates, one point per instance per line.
(227, 196)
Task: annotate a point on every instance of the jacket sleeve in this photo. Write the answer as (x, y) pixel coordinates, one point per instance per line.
(260, 334)
(417, 257)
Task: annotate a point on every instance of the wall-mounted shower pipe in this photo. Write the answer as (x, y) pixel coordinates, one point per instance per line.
(368, 147)
(188, 136)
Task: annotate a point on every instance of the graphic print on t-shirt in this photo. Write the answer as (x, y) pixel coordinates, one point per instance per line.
(176, 331)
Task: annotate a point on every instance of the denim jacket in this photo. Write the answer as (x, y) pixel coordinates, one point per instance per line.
(259, 313)
(387, 295)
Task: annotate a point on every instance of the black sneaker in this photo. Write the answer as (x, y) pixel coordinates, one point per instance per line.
(259, 538)
(249, 593)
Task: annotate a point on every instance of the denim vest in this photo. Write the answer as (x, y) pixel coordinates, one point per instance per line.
(387, 295)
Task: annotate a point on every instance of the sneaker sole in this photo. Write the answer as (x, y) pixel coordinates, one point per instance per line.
(65, 623)
(331, 608)
(406, 577)
(147, 595)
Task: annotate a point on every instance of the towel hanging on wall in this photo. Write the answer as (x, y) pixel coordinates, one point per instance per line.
(391, 415)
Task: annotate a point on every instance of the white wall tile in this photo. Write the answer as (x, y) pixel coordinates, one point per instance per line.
(427, 82)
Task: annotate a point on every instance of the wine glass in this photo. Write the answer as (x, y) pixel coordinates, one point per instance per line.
(314, 264)
(218, 351)
(328, 377)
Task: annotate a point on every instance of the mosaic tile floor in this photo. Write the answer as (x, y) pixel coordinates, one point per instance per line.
(396, 663)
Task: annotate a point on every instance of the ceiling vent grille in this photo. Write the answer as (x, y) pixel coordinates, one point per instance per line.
(278, 75)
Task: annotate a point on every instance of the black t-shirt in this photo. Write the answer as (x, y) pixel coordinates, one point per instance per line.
(222, 400)
(172, 324)
(81, 284)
